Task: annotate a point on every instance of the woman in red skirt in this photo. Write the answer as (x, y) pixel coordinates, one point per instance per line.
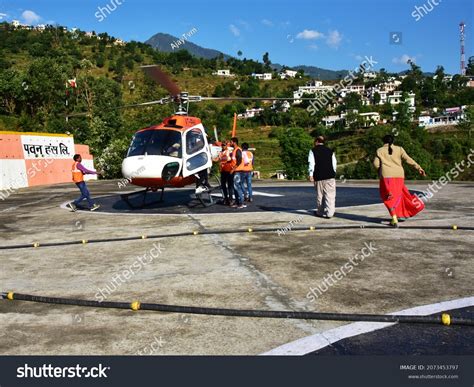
(395, 195)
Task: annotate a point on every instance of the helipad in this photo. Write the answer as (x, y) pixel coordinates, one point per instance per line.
(408, 268)
(274, 198)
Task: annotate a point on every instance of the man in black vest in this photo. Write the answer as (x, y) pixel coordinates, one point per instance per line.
(322, 171)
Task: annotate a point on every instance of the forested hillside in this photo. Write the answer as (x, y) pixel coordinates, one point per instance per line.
(46, 75)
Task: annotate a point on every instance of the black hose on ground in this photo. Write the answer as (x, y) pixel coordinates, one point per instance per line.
(443, 318)
(231, 231)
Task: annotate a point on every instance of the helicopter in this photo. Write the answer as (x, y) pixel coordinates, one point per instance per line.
(174, 152)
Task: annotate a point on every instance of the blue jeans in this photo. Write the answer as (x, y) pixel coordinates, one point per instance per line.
(247, 176)
(239, 187)
(84, 194)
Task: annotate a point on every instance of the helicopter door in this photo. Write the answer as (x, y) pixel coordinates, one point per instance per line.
(197, 156)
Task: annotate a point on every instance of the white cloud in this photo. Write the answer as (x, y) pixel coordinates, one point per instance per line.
(403, 59)
(235, 31)
(3, 15)
(313, 47)
(30, 17)
(267, 23)
(334, 39)
(244, 24)
(358, 58)
(310, 35)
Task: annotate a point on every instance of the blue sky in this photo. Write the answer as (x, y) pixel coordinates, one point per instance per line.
(334, 34)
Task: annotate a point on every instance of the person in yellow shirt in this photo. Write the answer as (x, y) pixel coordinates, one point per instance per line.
(395, 195)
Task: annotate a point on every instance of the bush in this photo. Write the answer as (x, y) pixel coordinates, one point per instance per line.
(110, 160)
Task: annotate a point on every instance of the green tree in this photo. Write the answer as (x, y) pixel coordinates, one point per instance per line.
(266, 60)
(295, 144)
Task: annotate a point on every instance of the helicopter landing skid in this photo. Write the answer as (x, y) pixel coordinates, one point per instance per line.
(205, 198)
(126, 198)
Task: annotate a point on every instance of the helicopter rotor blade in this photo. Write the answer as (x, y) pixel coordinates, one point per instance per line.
(142, 104)
(161, 78)
(254, 99)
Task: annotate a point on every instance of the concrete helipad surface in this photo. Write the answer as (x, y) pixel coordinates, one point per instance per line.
(410, 339)
(404, 268)
(277, 198)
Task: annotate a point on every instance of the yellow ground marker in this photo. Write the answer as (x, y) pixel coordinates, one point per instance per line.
(446, 319)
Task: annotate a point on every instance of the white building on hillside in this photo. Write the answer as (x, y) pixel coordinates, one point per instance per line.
(119, 42)
(263, 77)
(396, 99)
(223, 73)
(16, 24)
(329, 121)
(382, 93)
(281, 106)
(390, 86)
(286, 74)
(313, 87)
(432, 122)
(370, 119)
(370, 75)
(250, 113)
(358, 89)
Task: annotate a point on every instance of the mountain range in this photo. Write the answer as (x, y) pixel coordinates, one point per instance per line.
(169, 43)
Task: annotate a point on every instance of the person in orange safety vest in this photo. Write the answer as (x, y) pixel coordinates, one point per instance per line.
(78, 171)
(226, 165)
(247, 169)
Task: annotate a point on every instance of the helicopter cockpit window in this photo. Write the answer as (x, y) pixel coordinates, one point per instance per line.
(165, 143)
(194, 141)
(157, 143)
(138, 144)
